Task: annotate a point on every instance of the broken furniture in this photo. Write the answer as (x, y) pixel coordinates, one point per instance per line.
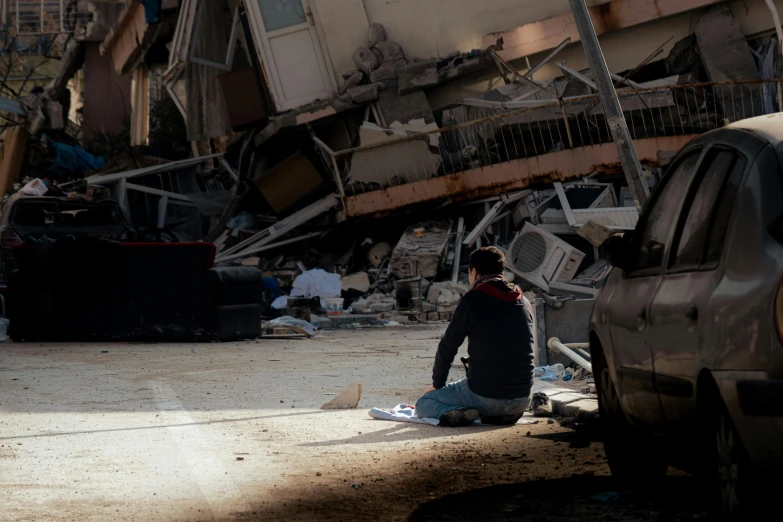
(420, 250)
(168, 195)
(98, 290)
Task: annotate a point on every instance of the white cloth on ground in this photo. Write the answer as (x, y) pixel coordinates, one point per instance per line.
(406, 413)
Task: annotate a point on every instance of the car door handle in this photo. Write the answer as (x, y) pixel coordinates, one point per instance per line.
(641, 320)
(692, 313)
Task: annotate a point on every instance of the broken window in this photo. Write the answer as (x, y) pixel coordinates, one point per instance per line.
(206, 34)
(213, 43)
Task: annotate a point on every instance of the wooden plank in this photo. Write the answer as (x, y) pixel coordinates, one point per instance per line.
(12, 152)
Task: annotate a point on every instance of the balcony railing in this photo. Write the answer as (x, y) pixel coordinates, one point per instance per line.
(530, 128)
(38, 17)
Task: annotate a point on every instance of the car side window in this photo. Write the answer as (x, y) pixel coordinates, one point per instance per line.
(720, 218)
(698, 227)
(660, 217)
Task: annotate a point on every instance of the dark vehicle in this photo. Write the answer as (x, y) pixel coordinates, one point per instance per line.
(687, 335)
(46, 220)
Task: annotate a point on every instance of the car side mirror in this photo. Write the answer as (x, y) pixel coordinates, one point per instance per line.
(618, 251)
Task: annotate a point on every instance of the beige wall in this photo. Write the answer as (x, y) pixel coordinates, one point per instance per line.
(343, 27)
(429, 28)
(623, 49)
(434, 28)
(424, 28)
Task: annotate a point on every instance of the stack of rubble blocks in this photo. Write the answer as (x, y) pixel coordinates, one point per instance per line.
(442, 300)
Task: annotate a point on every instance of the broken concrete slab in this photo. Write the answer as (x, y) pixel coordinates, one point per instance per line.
(416, 76)
(448, 298)
(433, 294)
(404, 108)
(390, 51)
(348, 399)
(364, 93)
(560, 400)
(381, 307)
(394, 164)
(586, 408)
(386, 71)
(596, 234)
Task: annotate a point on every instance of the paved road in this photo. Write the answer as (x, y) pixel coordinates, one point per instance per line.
(234, 432)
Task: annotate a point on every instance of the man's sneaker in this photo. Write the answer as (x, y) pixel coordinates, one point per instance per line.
(501, 420)
(540, 405)
(460, 417)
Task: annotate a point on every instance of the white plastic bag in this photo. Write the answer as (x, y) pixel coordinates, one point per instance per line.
(317, 283)
(36, 187)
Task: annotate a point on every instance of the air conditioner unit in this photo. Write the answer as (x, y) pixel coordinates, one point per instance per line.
(540, 257)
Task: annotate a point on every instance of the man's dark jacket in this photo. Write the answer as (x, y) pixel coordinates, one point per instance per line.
(498, 322)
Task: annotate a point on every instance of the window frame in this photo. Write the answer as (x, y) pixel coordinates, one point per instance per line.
(703, 265)
(699, 151)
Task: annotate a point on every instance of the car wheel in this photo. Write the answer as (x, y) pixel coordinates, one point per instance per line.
(632, 454)
(738, 485)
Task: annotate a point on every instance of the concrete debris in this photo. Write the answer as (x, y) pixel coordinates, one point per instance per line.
(416, 76)
(394, 158)
(348, 399)
(364, 93)
(596, 234)
(365, 60)
(420, 250)
(386, 71)
(386, 306)
(390, 51)
(377, 35)
(351, 80)
(359, 281)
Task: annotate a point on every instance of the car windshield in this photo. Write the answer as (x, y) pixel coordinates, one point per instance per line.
(57, 213)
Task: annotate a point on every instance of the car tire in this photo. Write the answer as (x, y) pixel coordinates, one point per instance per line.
(738, 484)
(633, 455)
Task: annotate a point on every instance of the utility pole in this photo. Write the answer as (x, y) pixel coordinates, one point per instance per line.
(612, 110)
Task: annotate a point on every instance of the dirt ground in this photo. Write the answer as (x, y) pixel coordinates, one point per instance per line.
(233, 432)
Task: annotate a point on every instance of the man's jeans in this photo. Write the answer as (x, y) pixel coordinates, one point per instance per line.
(457, 395)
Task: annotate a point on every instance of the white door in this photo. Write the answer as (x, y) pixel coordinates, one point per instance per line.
(286, 35)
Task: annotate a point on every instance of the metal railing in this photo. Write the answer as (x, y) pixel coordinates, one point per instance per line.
(37, 17)
(528, 128)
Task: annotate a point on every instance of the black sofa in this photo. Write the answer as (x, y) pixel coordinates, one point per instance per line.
(98, 290)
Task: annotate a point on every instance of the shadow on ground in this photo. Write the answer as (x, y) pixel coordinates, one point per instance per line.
(676, 498)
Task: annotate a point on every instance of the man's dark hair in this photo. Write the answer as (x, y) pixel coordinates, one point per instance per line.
(488, 261)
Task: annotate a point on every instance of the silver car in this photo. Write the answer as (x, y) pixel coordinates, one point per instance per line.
(687, 335)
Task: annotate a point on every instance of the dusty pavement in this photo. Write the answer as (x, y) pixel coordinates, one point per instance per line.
(233, 432)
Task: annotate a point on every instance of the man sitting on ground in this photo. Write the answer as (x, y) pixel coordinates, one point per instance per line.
(498, 322)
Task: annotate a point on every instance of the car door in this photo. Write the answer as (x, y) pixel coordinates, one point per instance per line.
(631, 299)
(678, 314)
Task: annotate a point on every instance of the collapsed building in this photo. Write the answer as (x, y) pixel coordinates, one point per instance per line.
(384, 140)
